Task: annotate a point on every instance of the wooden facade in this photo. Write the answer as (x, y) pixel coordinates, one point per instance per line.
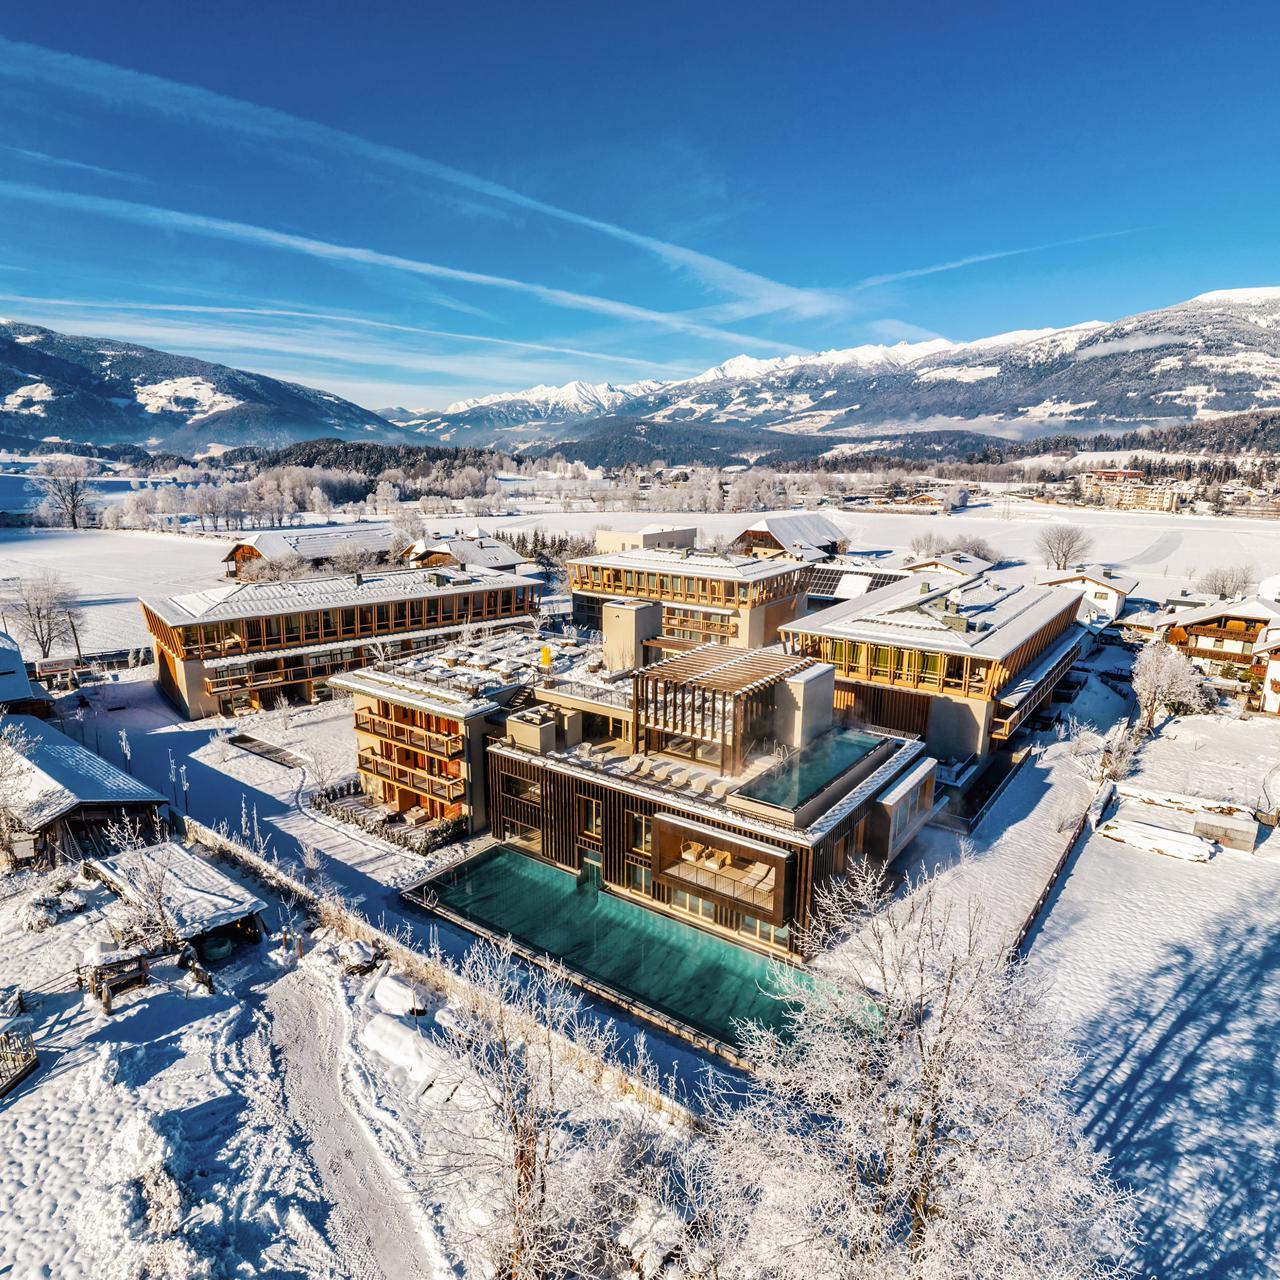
(293, 653)
(571, 818)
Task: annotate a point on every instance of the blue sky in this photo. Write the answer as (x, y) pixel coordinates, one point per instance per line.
(413, 203)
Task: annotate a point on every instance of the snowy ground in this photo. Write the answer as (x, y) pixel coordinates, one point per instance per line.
(190, 1134)
(108, 571)
(1169, 973)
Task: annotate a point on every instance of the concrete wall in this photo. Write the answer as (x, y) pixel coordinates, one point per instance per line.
(803, 705)
(958, 726)
(626, 626)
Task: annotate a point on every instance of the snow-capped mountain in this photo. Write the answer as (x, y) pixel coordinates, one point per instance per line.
(534, 410)
(1218, 353)
(109, 392)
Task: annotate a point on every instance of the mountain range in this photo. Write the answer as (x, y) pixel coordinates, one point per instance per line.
(1218, 353)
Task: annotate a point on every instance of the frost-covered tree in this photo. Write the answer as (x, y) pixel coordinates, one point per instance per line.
(1165, 680)
(546, 1169)
(67, 492)
(1063, 545)
(48, 613)
(911, 1123)
(1228, 581)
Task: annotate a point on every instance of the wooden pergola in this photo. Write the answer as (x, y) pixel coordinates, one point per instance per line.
(708, 695)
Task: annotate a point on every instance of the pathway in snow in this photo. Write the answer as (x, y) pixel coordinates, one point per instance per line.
(370, 1226)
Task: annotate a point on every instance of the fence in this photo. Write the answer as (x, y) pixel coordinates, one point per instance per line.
(18, 1058)
(426, 969)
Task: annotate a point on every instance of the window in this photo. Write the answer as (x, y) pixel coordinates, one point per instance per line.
(641, 832)
(639, 879)
(590, 821)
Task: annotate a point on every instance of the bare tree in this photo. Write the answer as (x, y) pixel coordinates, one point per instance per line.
(911, 1121)
(1228, 581)
(65, 485)
(545, 1174)
(1166, 680)
(48, 612)
(1063, 545)
(928, 544)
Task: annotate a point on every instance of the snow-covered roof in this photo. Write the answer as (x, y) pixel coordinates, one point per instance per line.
(15, 686)
(59, 775)
(955, 561)
(703, 564)
(316, 544)
(799, 529)
(197, 896)
(977, 616)
(265, 599)
(467, 550)
(1250, 608)
(1103, 576)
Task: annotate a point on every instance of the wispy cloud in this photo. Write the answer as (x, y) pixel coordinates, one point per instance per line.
(108, 83)
(247, 233)
(974, 259)
(891, 330)
(78, 166)
(81, 304)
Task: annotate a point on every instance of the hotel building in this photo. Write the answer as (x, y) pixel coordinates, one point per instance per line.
(242, 646)
(657, 601)
(963, 665)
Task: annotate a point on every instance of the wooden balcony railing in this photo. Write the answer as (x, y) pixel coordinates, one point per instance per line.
(426, 784)
(448, 746)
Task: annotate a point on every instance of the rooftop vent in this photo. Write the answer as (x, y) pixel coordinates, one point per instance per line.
(359, 578)
(925, 588)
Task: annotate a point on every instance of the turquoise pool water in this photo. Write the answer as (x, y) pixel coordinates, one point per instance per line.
(689, 975)
(804, 774)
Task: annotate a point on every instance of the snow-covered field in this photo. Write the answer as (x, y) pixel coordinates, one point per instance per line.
(109, 571)
(1169, 973)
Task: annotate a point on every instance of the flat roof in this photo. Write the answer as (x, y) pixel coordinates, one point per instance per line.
(701, 564)
(59, 775)
(264, 599)
(999, 618)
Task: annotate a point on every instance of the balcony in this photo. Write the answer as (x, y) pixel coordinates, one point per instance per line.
(749, 885)
(425, 784)
(447, 746)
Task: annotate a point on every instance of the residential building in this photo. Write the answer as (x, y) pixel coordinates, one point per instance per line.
(1124, 489)
(1221, 634)
(421, 723)
(956, 565)
(1266, 670)
(1105, 592)
(243, 646)
(805, 535)
(963, 666)
(652, 537)
(463, 551)
(654, 601)
(64, 797)
(369, 542)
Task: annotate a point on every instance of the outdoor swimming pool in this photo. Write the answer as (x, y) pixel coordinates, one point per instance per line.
(810, 769)
(691, 976)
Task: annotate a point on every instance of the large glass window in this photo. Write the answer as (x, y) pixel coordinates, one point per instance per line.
(590, 818)
(641, 832)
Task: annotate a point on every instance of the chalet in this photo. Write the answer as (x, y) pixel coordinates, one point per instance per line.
(805, 535)
(958, 565)
(370, 543)
(19, 696)
(667, 600)
(242, 646)
(1266, 669)
(963, 665)
(1104, 591)
(64, 796)
(462, 551)
(1222, 634)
